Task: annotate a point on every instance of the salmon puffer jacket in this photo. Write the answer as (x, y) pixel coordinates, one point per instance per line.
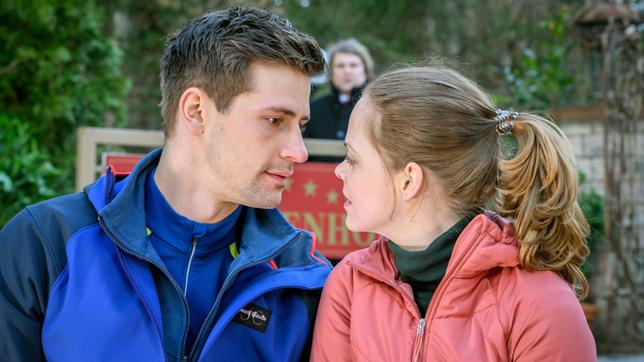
(486, 308)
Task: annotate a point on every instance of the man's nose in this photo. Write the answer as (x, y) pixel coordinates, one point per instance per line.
(295, 150)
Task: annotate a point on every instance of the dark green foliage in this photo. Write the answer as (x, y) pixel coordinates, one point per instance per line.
(26, 173)
(392, 30)
(57, 72)
(540, 79)
(593, 206)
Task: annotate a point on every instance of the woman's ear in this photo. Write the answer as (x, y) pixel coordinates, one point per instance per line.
(191, 110)
(410, 181)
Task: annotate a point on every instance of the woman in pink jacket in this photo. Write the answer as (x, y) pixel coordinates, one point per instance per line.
(448, 281)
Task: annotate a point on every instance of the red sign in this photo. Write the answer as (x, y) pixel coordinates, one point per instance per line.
(121, 163)
(312, 200)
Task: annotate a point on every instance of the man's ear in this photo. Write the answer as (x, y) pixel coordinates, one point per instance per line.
(410, 181)
(192, 109)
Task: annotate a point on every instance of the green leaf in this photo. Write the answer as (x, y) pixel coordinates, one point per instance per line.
(6, 183)
(62, 54)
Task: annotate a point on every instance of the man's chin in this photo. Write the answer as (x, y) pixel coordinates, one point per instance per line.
(266, 203)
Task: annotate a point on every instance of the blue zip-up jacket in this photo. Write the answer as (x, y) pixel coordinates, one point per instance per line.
(80, 281)
(194, 254)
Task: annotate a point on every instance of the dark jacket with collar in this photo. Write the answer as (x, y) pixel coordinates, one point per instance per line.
(80, 281)
(329, 117)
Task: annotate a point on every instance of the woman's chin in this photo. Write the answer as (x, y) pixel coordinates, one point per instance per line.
(352, 225)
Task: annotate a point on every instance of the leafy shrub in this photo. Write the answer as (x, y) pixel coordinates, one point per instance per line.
(26, 173)
(592, 204)
(57, 72)
(540, 80)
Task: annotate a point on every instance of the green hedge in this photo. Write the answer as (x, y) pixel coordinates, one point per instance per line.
(57, 72)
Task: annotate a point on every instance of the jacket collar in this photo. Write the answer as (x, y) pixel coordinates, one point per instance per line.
(180, 231)
(356, 93)
(487, 242)
(121, 209)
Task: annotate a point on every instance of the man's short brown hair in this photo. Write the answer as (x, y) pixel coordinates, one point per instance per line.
(214, 51)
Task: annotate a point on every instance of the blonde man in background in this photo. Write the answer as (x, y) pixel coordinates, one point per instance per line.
(351, 67)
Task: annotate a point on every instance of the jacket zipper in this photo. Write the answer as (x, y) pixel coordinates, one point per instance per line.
(418, 344)
(225, 286)
(192, 254)
(172, 281)
(422, 322)
(426, 322)
(431, 310)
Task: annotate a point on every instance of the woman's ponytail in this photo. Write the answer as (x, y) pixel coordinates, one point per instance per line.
(443, 121)
(538, 189)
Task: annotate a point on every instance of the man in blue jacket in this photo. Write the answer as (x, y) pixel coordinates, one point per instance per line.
(186, 259)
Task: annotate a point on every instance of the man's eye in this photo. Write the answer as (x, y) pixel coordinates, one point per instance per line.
(275, 121)
(303, 127)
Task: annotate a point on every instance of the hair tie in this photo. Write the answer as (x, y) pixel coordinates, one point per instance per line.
(505, 121)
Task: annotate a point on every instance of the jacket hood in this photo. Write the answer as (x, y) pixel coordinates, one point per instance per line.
(487, 242)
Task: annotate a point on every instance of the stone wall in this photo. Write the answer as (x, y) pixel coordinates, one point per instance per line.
(585, 130)
(584, 127)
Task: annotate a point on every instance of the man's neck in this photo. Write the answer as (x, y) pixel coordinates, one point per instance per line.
(186, 191)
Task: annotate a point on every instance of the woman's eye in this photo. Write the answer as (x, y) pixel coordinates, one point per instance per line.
(348, 160)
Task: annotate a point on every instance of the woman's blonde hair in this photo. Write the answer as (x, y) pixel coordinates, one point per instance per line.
(438, 118)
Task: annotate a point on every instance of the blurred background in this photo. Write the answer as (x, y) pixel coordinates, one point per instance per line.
(71, 63)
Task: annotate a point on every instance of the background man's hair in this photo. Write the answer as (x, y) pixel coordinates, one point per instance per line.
(214, 51)
(352, 46)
